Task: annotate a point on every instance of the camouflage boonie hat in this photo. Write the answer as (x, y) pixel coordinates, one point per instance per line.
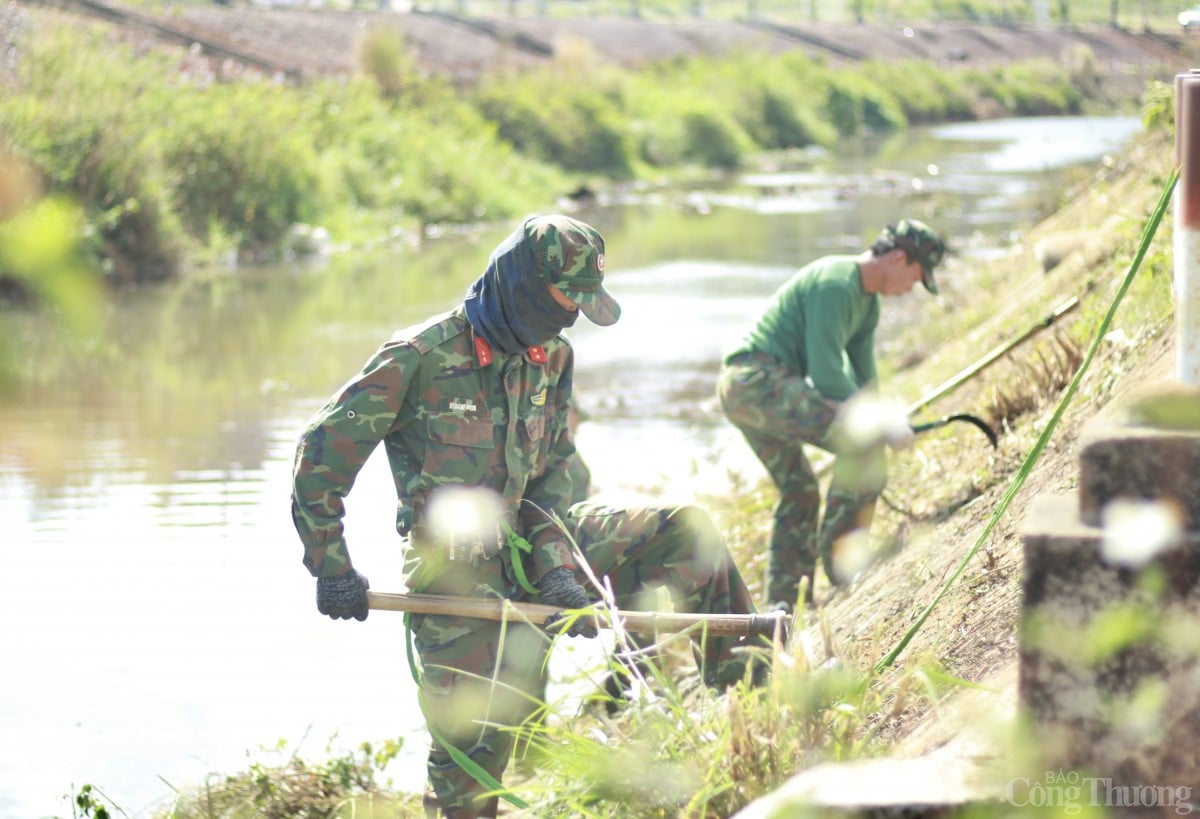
(920, 243)
(570, 255)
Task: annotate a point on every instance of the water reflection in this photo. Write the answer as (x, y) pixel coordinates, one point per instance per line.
(167, 626)
(1010, 146)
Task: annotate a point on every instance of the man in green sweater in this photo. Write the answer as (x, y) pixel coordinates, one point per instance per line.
(785, 382)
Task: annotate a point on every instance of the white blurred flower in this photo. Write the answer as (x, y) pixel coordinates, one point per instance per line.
(1135, 531)
(851, 555)
(463, 513)
(867, 420)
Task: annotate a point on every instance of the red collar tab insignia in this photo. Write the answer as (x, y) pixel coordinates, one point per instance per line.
(538, 354)
(483, 351)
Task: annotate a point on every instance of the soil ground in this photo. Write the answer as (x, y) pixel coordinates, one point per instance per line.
(951, 486)
(943, 493)
(306, 43)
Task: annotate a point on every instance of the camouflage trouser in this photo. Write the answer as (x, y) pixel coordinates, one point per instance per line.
(480, 675)
(778, 412)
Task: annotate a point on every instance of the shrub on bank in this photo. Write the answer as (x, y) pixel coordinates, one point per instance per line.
(924, 92)
(415, 159)
(164, 162)
(254, 182)
(575, 125)
(854, 104)
(81, 131)
(774, 101)
(1033, 88)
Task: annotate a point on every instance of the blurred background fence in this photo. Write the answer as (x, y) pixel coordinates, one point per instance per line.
(1131, 14)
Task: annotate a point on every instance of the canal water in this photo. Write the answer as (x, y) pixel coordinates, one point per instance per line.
(160, 626)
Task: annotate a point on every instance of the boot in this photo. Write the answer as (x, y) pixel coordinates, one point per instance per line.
(617, 688)
(488, 810)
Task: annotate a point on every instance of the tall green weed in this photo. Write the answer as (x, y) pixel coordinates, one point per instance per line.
(855, 105)
(1034, 88)
(776, 100)
(573, 125)
(85, 132)
(161, 163)
(384, 56)
(923, 91)
(675, 748)
(240, 161)
(422, 159)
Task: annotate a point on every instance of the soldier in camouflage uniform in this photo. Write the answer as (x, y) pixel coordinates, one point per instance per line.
(783, 384)
(479, 397)
(580, 472)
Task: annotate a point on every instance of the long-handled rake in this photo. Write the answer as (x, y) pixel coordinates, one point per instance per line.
(975, 421)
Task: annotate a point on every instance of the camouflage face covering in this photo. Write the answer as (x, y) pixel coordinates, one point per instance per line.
(510, 305)
(570, 255)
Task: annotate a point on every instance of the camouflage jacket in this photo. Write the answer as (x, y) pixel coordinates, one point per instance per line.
(449, 410)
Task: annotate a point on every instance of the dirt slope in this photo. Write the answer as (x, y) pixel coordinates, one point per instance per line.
(305, 43)
(949, 487)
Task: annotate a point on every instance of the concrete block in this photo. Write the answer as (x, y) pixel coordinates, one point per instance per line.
(1139, 462)
(1110, 652)
(938, 786)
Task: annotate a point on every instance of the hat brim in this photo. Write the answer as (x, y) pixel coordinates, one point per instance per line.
(600, 307)
(928, 281)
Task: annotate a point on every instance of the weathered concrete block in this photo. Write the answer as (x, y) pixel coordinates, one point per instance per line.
(936, 786)
(1138, 462)
(1110, 653)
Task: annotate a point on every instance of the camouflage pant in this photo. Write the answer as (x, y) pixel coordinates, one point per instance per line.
(778, 412)
(480, 675)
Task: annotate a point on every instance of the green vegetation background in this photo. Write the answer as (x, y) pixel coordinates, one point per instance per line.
(169, 172)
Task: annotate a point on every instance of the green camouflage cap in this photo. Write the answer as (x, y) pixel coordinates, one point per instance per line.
(570, 255)
(920, 243)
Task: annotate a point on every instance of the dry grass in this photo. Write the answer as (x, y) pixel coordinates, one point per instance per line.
(294, 788)
(1033, 380)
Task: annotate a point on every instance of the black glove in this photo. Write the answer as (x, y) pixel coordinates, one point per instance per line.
(343, 596)
(558, 588)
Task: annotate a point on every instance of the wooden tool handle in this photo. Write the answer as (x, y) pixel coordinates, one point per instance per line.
(641, 622)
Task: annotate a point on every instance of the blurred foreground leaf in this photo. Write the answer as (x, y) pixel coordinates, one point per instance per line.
(40, 246)
(41, 254)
